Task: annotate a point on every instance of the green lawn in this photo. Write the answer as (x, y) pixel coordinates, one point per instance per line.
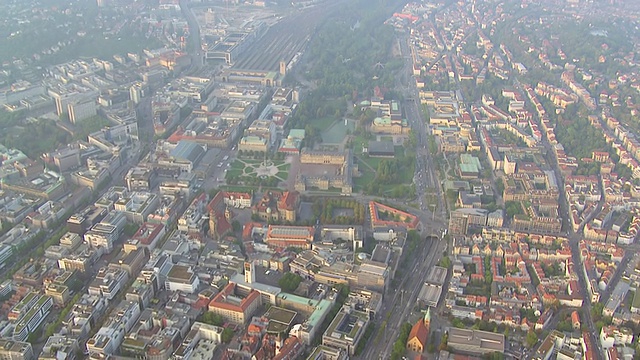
(406, 177)
(371, 161)
(237, 165)
(358, 142)
(364, 180)
(399, 151)
(233, 173)
(337, 131)
(323, 123)
(244, 167)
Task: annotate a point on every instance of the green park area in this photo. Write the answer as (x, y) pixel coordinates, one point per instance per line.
(392, 177)
(37, 136)
(337, 131)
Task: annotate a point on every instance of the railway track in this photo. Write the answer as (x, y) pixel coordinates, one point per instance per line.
(286, 38)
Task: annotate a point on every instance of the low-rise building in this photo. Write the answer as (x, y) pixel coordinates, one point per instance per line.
(475, 341)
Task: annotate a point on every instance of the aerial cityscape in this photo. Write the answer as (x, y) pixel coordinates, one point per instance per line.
(319, 179)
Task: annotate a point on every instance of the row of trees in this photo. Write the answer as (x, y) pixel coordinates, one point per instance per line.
(270, 181)
(214, 319)
(289, 282)
(400, 344)
(259, 155)
(324, 211)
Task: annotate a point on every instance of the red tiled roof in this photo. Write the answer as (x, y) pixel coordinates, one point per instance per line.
(222, 224)
(420, 332)
(216, 202)
(290, 350)
(374, 207)
(288, 200)
(147, 232)
(219, 301)
(248, 228)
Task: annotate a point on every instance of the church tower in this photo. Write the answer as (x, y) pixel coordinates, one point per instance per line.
(249, 272)
(427, 319)
(283, 68)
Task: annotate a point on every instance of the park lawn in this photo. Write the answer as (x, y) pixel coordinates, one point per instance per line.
(284, 167)
(371, 161)
(323, 123)
(399, 151)
(251, 162)
(282, 175)
(359, 141)
(406, 175)
(234, 173)
(237, 165)
(364, 180)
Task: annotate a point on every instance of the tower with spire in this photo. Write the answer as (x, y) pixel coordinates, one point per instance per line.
(427, 319)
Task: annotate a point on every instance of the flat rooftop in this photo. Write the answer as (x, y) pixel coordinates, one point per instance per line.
(437, 275)
(430, 294)
(482, 341)
(291, 231)
(280, 315)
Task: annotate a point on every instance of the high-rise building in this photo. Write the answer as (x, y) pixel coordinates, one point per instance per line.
(81, 110)
(137, 92)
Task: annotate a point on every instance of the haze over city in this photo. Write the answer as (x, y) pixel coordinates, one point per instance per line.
(320, 180)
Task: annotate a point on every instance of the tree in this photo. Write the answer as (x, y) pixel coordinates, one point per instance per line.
(513, 208)
(237, 227)
(500, 185)
(289, 282)
(458, 323)
(212, 318)
(227, 335)
(532, 339)
(445, 262)
(596, 310)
